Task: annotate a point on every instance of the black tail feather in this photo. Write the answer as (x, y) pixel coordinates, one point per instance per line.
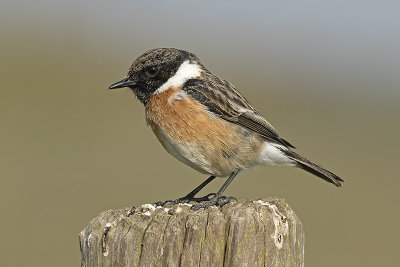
(313, 168)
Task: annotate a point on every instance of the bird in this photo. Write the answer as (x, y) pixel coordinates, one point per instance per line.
(206, 123)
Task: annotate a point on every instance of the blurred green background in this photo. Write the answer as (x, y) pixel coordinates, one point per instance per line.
(324, 73)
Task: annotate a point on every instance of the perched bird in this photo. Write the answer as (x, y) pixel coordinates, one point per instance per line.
(206, 123)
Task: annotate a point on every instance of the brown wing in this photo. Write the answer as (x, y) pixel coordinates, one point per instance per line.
(222, 98)
(258, 124)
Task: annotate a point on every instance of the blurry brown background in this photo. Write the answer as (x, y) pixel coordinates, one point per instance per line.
(325, 73)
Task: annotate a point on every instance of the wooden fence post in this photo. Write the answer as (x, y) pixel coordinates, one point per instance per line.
(262, 232)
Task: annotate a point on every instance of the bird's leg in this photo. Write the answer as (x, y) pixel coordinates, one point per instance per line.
(190, 197)
(218, 199)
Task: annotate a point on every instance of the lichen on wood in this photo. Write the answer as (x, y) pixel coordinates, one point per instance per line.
(262, 232)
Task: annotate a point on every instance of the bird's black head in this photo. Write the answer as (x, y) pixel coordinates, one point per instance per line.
(152, 69)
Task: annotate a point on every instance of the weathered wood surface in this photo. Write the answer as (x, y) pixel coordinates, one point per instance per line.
(263, 232)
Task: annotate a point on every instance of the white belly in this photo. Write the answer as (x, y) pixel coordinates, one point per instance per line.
(186, 153)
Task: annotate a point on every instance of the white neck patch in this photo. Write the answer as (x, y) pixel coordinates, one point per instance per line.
(185, 72)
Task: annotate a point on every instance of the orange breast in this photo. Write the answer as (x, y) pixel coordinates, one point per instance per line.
(184, 119)
(202, 140)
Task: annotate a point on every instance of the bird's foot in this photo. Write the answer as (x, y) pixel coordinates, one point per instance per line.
(217, 201)
(186, 199)
(131, 211)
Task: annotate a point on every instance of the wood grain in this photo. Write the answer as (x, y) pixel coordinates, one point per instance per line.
(262, 232)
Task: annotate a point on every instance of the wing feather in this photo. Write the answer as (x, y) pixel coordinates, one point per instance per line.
(221, 98)
(258, 124)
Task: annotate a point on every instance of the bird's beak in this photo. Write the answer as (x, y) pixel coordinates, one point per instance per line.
(123, 83)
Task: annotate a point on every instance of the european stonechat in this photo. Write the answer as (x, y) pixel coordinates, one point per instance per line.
(206, 123)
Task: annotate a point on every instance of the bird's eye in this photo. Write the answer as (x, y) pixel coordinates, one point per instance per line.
(152, 71)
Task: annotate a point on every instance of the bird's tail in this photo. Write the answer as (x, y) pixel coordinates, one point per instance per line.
(313, 168)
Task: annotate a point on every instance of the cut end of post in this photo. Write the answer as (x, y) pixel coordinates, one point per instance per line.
(261, 232)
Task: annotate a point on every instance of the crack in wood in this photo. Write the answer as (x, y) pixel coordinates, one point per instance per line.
(174, 235)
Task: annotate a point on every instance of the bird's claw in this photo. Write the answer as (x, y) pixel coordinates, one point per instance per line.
(186, 199)
(217, 201)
